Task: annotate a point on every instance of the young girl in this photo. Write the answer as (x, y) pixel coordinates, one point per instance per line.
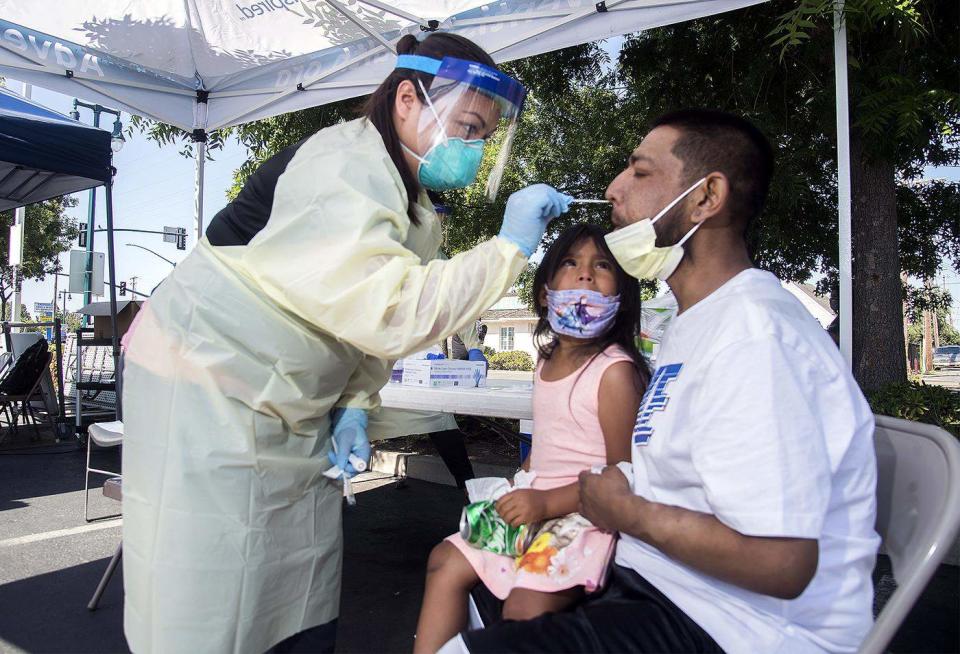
(587, 390)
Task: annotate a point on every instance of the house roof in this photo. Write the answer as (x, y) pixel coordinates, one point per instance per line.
(103, 308)
(508, 314)
(811, 291)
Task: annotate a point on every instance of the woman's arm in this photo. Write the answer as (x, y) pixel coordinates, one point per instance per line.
(333, 255)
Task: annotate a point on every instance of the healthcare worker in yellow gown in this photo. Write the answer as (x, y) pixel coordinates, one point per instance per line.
(284, 320)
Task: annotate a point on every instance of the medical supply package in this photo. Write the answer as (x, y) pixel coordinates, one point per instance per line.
(444, 373)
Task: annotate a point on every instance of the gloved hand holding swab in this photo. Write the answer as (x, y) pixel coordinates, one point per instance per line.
(336, 473)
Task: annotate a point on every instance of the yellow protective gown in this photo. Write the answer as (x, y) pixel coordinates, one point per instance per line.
(232, 538)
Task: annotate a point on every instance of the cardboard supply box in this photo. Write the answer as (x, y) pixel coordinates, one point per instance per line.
(100, 311)
(443, 373)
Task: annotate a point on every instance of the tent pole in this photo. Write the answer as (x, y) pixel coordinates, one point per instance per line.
(200, 158)
(843, 183)
(19, 218)
(115, 336)
(359, 23)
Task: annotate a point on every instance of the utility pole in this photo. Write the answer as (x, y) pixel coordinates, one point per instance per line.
(927, 336)
(906, 323)
(56, 279)
(133, 284)
(943, 280)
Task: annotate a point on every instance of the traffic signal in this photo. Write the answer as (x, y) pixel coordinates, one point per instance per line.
(123, 288)
(181, 238)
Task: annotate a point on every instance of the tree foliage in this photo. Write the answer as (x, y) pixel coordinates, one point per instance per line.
(48, 232)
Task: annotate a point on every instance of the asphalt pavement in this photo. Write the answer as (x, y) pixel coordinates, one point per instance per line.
(946, 377)
(51, 561)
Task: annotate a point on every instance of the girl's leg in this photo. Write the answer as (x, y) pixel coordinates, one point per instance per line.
(450, 578)
(524, 604)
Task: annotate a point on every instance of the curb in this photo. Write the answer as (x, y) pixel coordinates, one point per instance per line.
(426, 467)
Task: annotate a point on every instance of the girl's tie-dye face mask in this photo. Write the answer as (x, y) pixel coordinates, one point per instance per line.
(580, 312)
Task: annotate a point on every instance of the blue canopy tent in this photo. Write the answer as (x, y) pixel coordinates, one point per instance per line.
(44, 154)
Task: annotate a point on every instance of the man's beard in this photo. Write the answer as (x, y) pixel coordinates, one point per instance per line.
(672, 227)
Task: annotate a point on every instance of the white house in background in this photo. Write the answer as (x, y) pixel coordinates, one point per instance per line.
(817, 305)
(510, 326)
(510, 323)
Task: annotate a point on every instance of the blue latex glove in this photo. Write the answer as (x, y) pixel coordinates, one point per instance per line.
(477, 355)
(528, 213)
(350, 436)
(436, 356)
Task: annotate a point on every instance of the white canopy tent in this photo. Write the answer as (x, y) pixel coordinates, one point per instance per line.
(207, 64)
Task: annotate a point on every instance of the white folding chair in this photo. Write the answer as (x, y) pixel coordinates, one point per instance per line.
(104, 434)
(113, 489)
(918, 513)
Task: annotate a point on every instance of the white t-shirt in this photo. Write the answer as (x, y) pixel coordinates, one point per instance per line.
(752, 416)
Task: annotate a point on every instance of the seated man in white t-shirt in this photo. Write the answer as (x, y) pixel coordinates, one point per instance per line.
(748, 523)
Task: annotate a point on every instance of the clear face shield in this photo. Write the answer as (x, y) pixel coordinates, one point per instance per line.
(466, 106)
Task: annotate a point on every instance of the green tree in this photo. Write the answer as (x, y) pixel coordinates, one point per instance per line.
(905, 115)
(27, 318)
(48, 232)
(948, 333)
(936, 300)
(71, 321)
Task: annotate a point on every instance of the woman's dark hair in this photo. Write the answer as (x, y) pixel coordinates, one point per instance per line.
(626, 326)
(379, 107)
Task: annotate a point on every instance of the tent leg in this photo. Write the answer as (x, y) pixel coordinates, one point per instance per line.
(200, 158)
(111, 261)
(843, 184)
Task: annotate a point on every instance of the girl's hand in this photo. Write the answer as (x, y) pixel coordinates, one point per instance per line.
(522, 507)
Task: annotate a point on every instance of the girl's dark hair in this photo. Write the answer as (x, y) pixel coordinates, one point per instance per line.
(626, 326)
(379, 107)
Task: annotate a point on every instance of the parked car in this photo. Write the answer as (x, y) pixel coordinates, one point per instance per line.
(947, 356)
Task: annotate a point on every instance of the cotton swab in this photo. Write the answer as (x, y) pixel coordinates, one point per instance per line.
(336, 472)
(358, 464)
(588, 201)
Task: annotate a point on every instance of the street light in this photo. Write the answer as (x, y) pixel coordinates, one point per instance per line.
(116, 142)
(134, 245)
(116, 139)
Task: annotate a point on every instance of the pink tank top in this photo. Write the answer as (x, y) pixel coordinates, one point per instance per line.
(567, 438)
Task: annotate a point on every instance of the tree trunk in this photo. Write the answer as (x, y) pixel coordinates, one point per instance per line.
(878, 352)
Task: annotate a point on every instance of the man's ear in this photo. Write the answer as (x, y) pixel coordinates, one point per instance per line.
(711, 198)
(406, 101)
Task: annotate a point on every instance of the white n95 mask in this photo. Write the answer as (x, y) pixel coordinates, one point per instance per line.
(635, 246)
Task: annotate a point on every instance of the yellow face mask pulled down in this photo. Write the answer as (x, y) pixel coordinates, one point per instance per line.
(635, 246)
